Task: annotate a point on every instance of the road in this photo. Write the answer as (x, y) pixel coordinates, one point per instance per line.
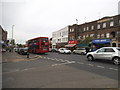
(54, 70)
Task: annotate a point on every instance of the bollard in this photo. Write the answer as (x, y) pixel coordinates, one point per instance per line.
(27, 55)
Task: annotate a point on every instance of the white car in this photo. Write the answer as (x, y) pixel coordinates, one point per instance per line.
(79, 51)
(64, 50)
(106, 53)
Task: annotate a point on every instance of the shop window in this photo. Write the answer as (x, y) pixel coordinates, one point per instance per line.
(111, 24)
(107, 35)
(104, 25)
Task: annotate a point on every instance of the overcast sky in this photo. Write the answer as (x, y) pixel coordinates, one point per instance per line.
(34, 18)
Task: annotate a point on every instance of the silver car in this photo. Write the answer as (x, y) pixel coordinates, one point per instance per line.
(106, 53)
(79, 51)
(64, 51)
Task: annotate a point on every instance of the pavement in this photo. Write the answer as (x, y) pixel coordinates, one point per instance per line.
(15, 57)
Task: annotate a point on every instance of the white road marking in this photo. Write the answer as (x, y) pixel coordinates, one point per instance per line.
(52, 59)
(90, 65)
(62, 63)
(48, 58)
(72, 61)
(113, 69)
(56, 59)
(100, 66)
(24, 69)
(12, 71)
(80, 63)
(44, 57)
(61, 60)
(67, 60)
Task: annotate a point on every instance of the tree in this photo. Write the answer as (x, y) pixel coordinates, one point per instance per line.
(86, 40)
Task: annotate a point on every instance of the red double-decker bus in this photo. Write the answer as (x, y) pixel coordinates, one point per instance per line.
(38, 45)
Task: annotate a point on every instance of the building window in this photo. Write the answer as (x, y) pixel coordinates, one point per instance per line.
(72, 30)
(79, 37)
(87, 28)
(104, 25)
(60, 33)
(119, 22)
(92, 27)
(84, 29)
(98, 36)
(83, 36)
(102, 35)
(98, 26)
(107, 35)
(91, 35)
(111, 23)
(87, 35)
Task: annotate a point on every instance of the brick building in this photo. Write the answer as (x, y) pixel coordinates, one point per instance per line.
(102, 29)
(3, 35)
(3, 39)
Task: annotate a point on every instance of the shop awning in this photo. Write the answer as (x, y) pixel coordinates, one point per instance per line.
(101, 41)
(70, 45)
(82, 45)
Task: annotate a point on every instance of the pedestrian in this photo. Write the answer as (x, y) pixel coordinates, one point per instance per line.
(87, 49)
(28, 55)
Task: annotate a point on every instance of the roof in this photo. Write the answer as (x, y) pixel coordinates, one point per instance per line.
(37, 38)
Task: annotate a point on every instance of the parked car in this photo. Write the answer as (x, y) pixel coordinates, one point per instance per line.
(50, 49)
(64, 51)
(23, 51)
(79, 51)
(106, 53)
(54, 50)
(16, 49)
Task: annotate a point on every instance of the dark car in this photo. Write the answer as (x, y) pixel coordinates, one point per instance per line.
(54, 50)
(23, 51)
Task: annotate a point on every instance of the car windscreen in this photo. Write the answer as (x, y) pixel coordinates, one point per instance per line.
(65, 48)
(118, 49)
(80, 49)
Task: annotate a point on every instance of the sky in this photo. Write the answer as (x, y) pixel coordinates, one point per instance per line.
(35, 18)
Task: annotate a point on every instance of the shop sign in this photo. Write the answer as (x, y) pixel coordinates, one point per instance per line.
(72, 42)
(101, 41)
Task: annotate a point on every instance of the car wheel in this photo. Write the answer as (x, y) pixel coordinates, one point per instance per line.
(90, 58)
(116, 61)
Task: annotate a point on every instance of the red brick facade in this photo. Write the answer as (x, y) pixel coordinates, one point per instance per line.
(107, 27)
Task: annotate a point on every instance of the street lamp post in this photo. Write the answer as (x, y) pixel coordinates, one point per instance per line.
(12, 38)
(12, 30)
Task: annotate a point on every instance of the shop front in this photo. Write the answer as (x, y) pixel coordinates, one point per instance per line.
(98, 43)
(71, 44)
